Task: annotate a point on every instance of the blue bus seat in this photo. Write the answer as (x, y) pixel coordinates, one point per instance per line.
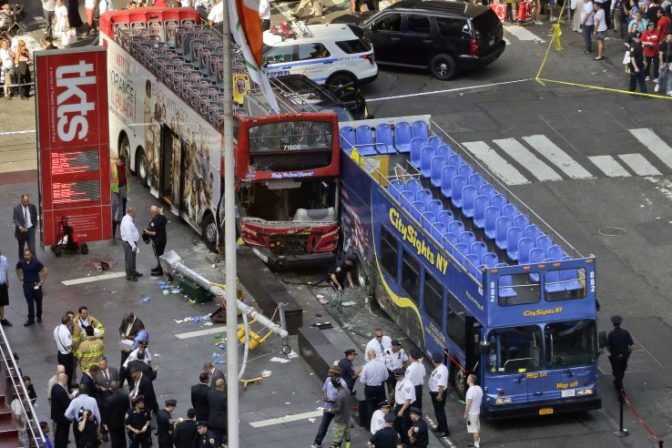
(438, 163)
(456, 187)
(435, 206)
(460, 251)
(427, 219)
(465, 170)
(510, 210)
(505, 284)
(402, 136)
(467, 238)
(502, 225)
(487, 190)
(476, 180)
(537, 255)
(544, 242)
(479, 248)
(498, 201)
(449, 241)
(468, 197)
(416, 153)
(555, 252)
(532, 231)
(415, 147)
(414, 185)
(473, 262)
(444, 151)
(456, 227)
(419, 129)
(446, 217)
(455, 160)
(426, 156)
(480, 204)
(384, 138)
(525, 245)
(423, 195)
(348, 138)
(489, 259)
(521, 221)
(552, 283)
(417, 209)
(512, 239)
(437, 229)
(364, 135)
(434, 141)
(407, 198)
(395, 188)
(570, 278)
(491, 215)
(447, 174)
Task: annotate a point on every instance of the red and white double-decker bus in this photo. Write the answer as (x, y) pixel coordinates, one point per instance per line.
(166, 115)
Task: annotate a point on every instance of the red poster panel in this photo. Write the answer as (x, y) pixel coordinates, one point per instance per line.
(73, 144)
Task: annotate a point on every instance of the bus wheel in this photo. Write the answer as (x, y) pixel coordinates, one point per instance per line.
(209, 232)
(124, 147)
(141, 168)
(362, 279)
(459, 381)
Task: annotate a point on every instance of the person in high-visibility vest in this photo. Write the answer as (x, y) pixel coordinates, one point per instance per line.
(119, 187)
(91, 350)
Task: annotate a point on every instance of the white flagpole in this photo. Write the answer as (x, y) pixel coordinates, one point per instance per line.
(230, 241)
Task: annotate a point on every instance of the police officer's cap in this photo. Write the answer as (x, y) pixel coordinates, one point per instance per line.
(350, 351)
(383, 403)
(437, 357)
(415, 353)
(171, 402)
(415, 410)
(396, 342)
(399, 372)
(616, 320)
(390, 417)
(202, 423)
(138, 399)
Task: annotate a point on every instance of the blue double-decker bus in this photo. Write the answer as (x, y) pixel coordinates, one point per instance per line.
(465, 269)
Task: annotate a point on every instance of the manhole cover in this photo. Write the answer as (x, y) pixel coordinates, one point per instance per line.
(612, 231)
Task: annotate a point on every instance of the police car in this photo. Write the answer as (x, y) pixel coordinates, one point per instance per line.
(334, 54)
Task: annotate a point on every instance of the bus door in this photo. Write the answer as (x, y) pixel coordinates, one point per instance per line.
(172, 168)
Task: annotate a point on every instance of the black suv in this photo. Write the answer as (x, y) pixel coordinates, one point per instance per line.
(445, 36)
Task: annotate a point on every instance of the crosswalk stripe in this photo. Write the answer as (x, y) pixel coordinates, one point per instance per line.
(639, 165)
(557, 156)
(654, 143)
(531, 162)
(503, 169)
(522, 33)
(609, 166)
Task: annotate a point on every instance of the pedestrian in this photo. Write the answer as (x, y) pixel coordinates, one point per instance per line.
(386, 437)
(637, 24)
(329, 393)
(665, 56)
(63, 340)
(438, 385)
(416, 373)
(265, 14)
(83, 320)
(60, 402)
(404, 398)
(44, 426)
(143, 387)
(48, 14)
(82, 401)
(128, 329)
(587, 23)
(600, 26)
(214, 374)
(23, 61)
(52, 382)
(418, 434)
(73, 15)
(165, 424)
(216, 15)
(636, 65)
(199, 397)
(137, 424)
(7, 59)
(116, 407)
(87, 427)
(204, 440)
(156, 231)
(89, 10)
(650, 44)
(119, 187)
(217, 418)
(33, 274)
(129, 237)
(379, 344)
(4, 290)
(30, 388)
(342, 272)
(395, 358)
(620, 346)
(341, 411)
(618, 17)
(186, 431)
(472, 409)
(88, 381)
(25, 222)
(374, 376)
(378, 417)
(663, 24)
(103, 380)
(348, 372)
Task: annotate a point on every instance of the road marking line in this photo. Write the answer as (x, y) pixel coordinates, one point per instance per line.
(523, 34)
(609, 166)
(655, 144)
(197, 333)
(532, 163)
(557, 156)
(438, 92)
(93, 278)
(503, 169)
(286, 419)
(27, 131)
(639, 165)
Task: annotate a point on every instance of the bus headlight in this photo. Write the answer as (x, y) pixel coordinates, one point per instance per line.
(584, 392)
(506, 400)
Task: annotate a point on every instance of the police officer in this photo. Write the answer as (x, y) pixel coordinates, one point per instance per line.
(418, 433)
(137, 425)
(342, 273)
(404, 397)
(438, 383)
(416, 372)
(164, 423)
(156, 232)
(203, 441)
(395, 358)
(620, 345)
(373, 376)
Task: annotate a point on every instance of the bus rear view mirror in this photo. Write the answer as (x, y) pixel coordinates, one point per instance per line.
(602, 339)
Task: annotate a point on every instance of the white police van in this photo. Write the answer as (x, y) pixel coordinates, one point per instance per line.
(334, 54)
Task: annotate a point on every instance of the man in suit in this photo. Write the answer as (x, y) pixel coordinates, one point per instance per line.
(114, 414)
(60, 400)
(25, 223)
(103, 380)
(199, 397)
(217, 419)
(142, 386)
(186, 432)
(214, 374)
(88, 380)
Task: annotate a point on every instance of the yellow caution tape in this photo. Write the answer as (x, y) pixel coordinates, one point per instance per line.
(557, 34)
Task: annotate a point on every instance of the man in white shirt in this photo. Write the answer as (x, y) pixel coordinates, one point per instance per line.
(587, 24)
(85, 401)
(438, 383)
(265, 14)
(416, 373)
(63, 340)
(52, 381)
(472, 409)
(216, 15)
(395, 358)
(129, 237)
(378, 417)
(48, 7)
(374, 375)
(379, 343)
(404, 397)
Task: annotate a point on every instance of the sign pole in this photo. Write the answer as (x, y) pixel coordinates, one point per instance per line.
(230, 241)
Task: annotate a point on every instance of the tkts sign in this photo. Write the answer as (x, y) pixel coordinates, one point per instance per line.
(73, 143)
